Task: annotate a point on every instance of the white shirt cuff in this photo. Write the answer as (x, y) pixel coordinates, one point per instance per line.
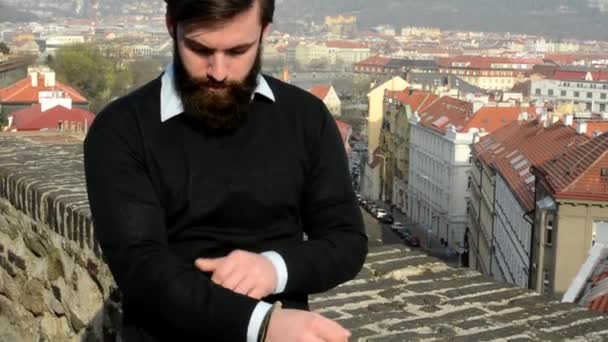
(280, 267)
(255, 322)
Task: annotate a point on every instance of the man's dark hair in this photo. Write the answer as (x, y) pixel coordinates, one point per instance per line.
(216, 11)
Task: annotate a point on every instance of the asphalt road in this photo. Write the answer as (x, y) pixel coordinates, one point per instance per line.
(379, 233)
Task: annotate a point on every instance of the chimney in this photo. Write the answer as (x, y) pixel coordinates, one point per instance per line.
(554, 118)
(286, 75)
(581, 128)
(34, 78)
(477, 105)
(605, 116)
(569, 120)
(10, 122)
(523, 116)
(542, 118)
(49, 79)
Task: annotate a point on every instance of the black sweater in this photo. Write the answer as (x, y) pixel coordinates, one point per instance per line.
(165, 193)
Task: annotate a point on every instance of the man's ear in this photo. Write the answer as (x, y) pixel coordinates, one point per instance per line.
(171, 26)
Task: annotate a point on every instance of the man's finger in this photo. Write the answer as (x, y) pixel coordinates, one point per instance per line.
(233, 280)
(244, 287)
(208, 265)
(329, 330)
(256, 292)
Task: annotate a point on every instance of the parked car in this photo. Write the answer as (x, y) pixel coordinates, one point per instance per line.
(404, 233)
(388, 218)
(397, 226)
(371, 207)
(379, 212)
(412, 241)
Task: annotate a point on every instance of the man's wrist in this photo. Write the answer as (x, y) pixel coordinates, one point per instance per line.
(280, 268)
(266, 322)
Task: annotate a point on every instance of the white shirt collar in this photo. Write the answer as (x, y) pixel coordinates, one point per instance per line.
(171, 104)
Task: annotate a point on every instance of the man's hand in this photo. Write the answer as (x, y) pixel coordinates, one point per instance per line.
(243, 272)
(302, 326)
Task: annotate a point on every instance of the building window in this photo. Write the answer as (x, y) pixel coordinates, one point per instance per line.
(577, 94)
(550, 92)
(563, 93)
(603, 96)
(549, 230)
(602, 107)
(589, 95)
(469, 184)
(537, 91)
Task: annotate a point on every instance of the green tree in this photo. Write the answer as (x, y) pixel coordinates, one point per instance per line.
(83, 67)
(145, 70)
(4, 49)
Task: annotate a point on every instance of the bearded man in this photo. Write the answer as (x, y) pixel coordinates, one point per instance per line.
(217, 192)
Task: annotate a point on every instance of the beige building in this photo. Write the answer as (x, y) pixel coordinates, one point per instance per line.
(395, 141)
(328, 95)
(341, 25)
(375, 119)
(571, 205)
(418, 32)
(310, 53)
(347, 52)
(490, 73)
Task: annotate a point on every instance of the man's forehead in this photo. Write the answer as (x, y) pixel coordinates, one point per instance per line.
(221, 39)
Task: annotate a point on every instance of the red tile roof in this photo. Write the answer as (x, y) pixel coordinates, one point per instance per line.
(344, 44)
(577, 173)
(23, 92)
(320, 90)
(579, 75)
(594, 126)
(417, 100)
(489, 119)
(33, 119)
(374, 61)
(514, 148)
(565, 59)
(446, 111)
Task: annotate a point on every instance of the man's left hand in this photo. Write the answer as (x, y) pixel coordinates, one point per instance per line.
(243, 272)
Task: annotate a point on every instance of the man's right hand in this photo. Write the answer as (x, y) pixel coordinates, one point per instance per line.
(287, 325)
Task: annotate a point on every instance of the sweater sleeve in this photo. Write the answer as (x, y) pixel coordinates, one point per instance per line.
(130, 225)
(337, 244)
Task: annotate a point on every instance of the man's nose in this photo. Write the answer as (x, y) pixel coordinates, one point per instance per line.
(217, 68)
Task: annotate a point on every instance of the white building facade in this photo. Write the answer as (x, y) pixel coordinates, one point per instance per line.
(439, 180)
(511, 238)
(583, 95)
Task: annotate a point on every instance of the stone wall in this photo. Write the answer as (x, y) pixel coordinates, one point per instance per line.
(405, 295)
(53, 284)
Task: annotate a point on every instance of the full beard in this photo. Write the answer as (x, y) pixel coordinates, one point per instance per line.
(219, 112)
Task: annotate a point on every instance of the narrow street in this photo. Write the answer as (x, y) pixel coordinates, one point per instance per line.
(381, 234)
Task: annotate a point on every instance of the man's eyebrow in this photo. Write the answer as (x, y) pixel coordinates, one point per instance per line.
(195, 44)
